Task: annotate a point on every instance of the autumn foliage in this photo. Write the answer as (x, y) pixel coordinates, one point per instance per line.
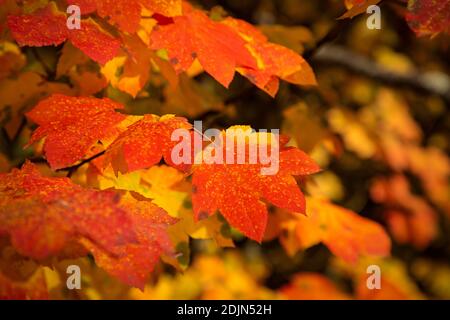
(87, 170)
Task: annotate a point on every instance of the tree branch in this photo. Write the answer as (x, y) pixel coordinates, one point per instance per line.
(70, 170)
(330, 36)
(431, 82)
(38, 57)
(333, 33)
(23, 124)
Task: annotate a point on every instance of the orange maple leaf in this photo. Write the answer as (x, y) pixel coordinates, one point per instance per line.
(145, 143)
(344, 232)
(135, 261)
(409, 217)
(47, 26)
(126, 14)
(194, 36)
(237, 189)
(273, 61)
(72, 125)
(130, 70)
(42, 214)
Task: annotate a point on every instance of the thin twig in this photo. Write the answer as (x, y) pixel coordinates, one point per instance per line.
(70, 170)
(44, 65)
(5, 137)
(22, 125)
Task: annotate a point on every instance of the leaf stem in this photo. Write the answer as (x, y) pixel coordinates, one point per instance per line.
(75, 167)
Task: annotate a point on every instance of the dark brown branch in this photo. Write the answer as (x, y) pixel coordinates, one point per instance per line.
(431, 82)
(22, 126)
(38, 57)
(5, 137)
(9, 142)
(70, 170)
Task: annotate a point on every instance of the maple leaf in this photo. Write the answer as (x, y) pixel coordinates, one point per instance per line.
(130, 70)
(154, 183)
(47, 26)
(123, 13)
(42, 214)
(409, 217)
(194, 36)
(273, 61)
(168, 189)
(246, 50)
(145, 143)
(237, 189)
(429, 17)
(344, 232)
(126, 14)
(135, 261)
(72, 125)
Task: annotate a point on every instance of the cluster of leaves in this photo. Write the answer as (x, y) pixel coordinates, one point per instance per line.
(186, 34)
(111, 192)
(74, 127)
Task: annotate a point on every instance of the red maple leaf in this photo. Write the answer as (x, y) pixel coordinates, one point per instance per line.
(47, 26)
(72, 125)
(217, 47)
(236, 190)
(344, 232)
(145, 143)
(274, 61)
(126, 14)
(42, 215)
(136, 260)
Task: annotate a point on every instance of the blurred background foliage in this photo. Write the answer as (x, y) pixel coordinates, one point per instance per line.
(378, 124)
